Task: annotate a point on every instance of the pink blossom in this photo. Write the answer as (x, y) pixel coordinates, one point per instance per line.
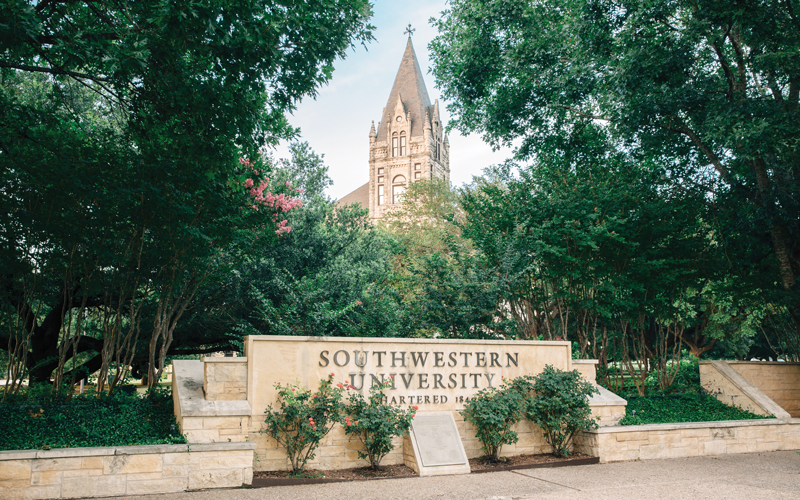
(248, 183)
(282, 227)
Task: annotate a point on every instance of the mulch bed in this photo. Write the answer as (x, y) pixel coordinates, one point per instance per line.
(483, 464)
(264, 479)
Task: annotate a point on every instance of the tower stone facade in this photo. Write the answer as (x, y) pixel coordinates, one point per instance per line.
(408, 144)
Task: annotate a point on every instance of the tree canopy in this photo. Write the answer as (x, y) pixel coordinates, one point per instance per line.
(130, 171)
(707, 91)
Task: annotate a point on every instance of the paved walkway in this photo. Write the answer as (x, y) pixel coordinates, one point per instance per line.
(750, 476)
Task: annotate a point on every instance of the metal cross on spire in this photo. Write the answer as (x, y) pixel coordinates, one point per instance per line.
(409, 31)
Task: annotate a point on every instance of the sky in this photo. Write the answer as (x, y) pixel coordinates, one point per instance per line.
(336, 123)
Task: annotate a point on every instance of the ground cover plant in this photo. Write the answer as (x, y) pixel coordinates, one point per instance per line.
(376, 423)
(684, 401)
(39, 419)
(681, 407)
(303, 418)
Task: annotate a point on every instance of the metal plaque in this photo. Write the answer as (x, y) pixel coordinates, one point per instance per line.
(438, 441)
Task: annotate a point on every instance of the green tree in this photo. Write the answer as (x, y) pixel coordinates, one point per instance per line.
(446, 286)
(306, 169)
(592, 247)
(328, 276)
(707, 89)
(120, 176)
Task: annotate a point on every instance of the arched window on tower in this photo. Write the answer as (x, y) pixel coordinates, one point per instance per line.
(402, 143)
(394, 144)
(398, 188)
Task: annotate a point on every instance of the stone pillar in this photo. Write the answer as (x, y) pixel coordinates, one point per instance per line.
(225, 379)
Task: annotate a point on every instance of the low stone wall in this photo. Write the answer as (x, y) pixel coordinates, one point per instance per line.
(587, 368)
(643, 442)
(728, 385)
(124, 470)
(779, 381)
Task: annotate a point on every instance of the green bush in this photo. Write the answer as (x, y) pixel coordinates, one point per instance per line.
(687, 379)
(376, 423)
(560, 406)
(493, 412)
(683, 407)
(44, 420)
(304, 418)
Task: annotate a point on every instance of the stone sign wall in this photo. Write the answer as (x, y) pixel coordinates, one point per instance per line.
(436, 375)
(223, 399)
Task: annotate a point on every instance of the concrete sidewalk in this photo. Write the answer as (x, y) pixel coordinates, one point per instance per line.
(753, 476)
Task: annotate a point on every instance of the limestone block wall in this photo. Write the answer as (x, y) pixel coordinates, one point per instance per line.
(643, 442)
(779, 381)
(587, 367)
(207, 414)
(729, 386)
(454, 371)
(215, 429)
(205, 417)
(123, 470)
(201, 420)
(339, 451)
(225, 379)
(336, 451)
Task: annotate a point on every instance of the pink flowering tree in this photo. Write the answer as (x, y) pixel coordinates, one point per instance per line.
(265, 198)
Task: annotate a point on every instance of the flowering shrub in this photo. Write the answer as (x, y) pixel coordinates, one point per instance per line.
(560, 406)
(375, 422)
(304, 418)
(493, 412)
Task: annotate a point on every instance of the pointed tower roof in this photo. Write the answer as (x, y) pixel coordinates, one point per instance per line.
(410, 88)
